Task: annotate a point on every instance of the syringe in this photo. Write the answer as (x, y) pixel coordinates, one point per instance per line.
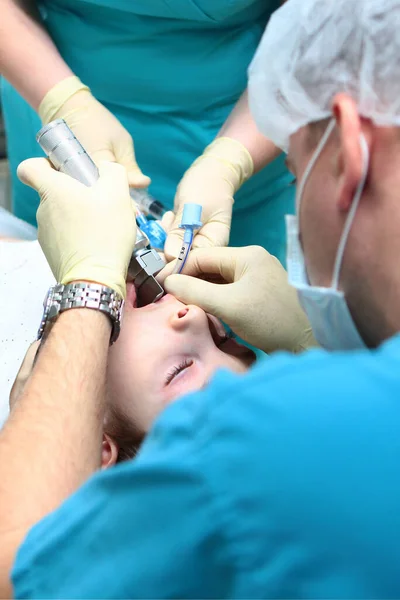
(147, 204)
(68, 156)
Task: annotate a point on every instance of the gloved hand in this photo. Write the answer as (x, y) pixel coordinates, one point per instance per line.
(256, 300)
(99, 132)
(86, 233)
(211, 181)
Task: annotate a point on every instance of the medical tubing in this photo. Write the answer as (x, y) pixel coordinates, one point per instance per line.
(191, 220)
(184, 252)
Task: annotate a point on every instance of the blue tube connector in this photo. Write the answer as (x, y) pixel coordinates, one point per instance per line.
(191, 217)
(191, 220)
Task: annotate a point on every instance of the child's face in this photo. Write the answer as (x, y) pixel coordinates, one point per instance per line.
(165, 350)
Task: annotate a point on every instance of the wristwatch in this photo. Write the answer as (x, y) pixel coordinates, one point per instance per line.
(81, 294)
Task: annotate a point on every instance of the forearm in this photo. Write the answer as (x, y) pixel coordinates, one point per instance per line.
(29, 60)
(52, 441)
(241, 126)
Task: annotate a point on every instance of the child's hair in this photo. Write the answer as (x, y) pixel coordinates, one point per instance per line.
(125, 433)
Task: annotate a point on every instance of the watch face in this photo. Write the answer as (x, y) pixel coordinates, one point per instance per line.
(46, 308)
(48, 297)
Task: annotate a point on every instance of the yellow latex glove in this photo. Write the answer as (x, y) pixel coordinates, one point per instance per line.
(211, 181)
(99, 132)
(86, 233)
(256, 300)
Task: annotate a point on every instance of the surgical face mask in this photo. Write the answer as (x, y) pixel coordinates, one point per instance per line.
(326, 308)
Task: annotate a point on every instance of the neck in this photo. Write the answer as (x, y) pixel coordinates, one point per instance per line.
(374, 286)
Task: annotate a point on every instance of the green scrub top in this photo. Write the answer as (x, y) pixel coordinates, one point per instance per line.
(280, 483)
(171, 71)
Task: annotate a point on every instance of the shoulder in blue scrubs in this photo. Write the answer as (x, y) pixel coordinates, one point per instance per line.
(171, 71)
(283, 483)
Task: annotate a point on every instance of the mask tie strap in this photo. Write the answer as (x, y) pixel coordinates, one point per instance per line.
(311, 164)
(352, 212)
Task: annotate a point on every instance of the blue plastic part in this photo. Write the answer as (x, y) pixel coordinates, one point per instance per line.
(153, 230)
(191, 217)
(156, 235)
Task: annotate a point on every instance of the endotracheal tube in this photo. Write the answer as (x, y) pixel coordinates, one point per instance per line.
(190, 221)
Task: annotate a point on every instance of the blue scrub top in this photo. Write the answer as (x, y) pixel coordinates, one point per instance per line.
(171, 71)
(284, 483)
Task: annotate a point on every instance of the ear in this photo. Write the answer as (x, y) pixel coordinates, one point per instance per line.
(349, 159)
(109, 452)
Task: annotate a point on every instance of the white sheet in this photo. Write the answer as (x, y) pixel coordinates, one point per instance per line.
(12, 227)
(24, 279)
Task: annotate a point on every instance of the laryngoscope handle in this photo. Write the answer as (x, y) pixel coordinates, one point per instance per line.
(67, 155)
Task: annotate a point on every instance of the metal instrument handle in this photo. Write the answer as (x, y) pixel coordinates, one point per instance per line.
(67, 155)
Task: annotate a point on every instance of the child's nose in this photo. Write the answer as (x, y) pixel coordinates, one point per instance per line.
(183, 312)
(185, 317)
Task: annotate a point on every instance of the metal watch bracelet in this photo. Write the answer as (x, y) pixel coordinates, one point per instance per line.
(61, 297)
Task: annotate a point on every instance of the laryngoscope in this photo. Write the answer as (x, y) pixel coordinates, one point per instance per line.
(68, 156)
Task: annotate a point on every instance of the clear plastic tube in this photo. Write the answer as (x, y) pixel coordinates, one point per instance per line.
(184, 251)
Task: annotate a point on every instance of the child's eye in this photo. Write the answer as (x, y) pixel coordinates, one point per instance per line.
(176, 370)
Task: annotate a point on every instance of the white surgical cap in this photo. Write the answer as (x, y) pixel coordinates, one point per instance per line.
(313, 49)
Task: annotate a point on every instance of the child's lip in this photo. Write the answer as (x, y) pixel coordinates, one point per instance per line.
(163, 298)
(131, 294)
(131, 298)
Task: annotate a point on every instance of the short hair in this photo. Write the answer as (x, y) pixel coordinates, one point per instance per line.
(124, 432)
